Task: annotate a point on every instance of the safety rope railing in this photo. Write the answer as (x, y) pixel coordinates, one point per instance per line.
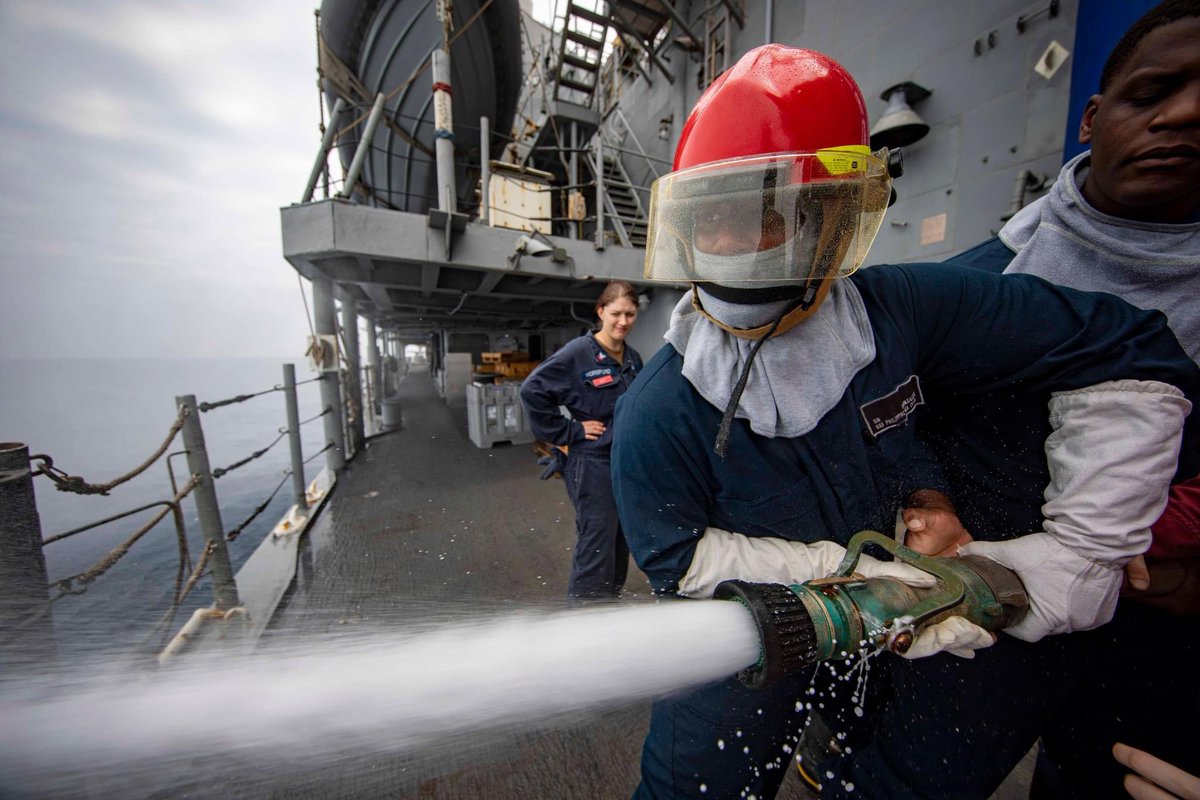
(199, 484)
(319, 452)
(198, 572)
(315, 417)
(78, 583)
(221, 472)
(241, 398)
(77, 485)
(237, 531)
(122, 515)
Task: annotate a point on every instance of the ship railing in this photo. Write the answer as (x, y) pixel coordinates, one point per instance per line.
(26, 598)
(618, 202)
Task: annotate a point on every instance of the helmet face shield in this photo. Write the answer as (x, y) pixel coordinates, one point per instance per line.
(785, 217)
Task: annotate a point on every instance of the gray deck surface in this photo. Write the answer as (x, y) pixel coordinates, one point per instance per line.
(424, 520)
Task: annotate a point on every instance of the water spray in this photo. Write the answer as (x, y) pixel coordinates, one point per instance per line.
(834, 617)
(358, 697)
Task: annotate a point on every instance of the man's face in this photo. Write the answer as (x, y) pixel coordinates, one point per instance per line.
(727, 229)
(1145, 130)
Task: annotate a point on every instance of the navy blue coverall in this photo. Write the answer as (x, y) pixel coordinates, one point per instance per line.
(586, 380)
(1139, 685)
(993, 348)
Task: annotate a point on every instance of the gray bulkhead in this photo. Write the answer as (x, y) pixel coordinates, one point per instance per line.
(992, 118)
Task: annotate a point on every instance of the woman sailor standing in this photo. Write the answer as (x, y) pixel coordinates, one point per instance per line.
(586, 376)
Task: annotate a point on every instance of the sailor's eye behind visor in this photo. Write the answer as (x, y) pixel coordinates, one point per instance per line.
(731, 227)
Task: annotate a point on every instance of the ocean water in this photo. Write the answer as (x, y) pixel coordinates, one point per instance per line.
(99, 418)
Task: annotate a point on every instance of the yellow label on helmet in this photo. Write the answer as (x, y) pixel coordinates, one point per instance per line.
(844, 160)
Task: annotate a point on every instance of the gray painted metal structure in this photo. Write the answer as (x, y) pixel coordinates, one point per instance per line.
(325, 323)
(993, 121)
(352, 381)
(991, 116)
(28, 641)
(390, 264)
(373, 47)
(293, 427)
(208, 510)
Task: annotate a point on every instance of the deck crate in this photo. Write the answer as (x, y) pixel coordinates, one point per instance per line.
(504, 357)
(517, 369)
(495, 414)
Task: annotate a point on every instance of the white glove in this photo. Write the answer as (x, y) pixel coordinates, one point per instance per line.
(1066, 591)
(721, 555)
(955, 635)
(1111, 454)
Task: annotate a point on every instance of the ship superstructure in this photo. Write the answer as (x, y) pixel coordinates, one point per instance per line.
(554, 144)
(479, 177)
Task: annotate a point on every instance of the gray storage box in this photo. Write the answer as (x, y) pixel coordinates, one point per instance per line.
(495, 414)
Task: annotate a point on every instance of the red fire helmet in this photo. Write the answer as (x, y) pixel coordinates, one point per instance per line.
(774, 182)
(775, 99)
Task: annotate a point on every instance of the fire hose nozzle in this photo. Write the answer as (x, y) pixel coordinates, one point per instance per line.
(834, 617)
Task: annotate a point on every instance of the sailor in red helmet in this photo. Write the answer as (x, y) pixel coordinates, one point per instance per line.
(782, 417)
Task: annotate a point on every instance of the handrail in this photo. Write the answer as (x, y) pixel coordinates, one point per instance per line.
(237, 531)
(82, 579)
(627, 151)
(315, 417)
(220, 472)
(241, 398)
(199, 481)
(73, 483)
(633, 135)
(58, 537)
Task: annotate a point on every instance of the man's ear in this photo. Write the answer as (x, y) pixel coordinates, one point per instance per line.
(1089, 116)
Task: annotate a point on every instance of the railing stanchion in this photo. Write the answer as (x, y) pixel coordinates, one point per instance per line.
(293, 426)
(600, 243)
(485, 170)
(23, 581)
(325, 322)
(374, 362)
(225, 594)
(353, 388)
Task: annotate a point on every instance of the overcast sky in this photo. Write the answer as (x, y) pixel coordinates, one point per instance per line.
(147, 147)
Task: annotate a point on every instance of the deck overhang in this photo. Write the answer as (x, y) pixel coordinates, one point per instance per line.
(392, 265)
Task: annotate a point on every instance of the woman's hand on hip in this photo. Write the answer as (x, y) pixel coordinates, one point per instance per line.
(593, 429)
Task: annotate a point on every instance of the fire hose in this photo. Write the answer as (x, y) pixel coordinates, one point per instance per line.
(837, 616)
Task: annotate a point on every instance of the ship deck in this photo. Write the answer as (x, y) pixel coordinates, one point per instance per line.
(423, 522)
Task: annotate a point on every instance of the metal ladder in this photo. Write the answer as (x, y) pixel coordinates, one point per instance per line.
(623, 206)
(580, 51)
